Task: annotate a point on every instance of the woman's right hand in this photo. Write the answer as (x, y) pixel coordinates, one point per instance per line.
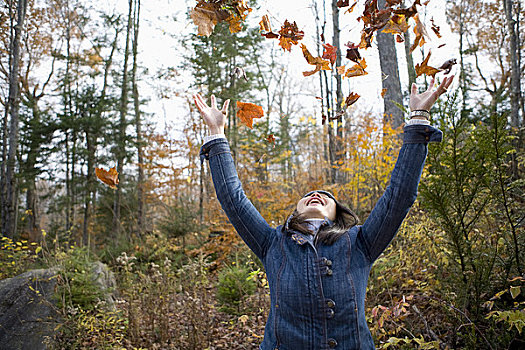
(213, 117)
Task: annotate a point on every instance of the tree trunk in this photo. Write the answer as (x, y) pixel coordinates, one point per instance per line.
(339, 139)
(390, 76)
(138, 125)
(121, 147)
(515, 90)
(9, 218)
(410, 62)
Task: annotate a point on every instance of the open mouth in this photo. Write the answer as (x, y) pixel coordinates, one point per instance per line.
(315, 201)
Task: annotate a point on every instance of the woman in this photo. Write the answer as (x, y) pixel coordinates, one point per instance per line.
(318, 263)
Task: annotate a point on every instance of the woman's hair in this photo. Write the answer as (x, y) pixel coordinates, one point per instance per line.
(344, 220)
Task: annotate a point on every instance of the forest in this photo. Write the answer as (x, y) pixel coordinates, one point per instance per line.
(100, 142)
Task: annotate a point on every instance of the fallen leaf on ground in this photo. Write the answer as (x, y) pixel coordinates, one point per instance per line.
(247, 112)
(110, 177)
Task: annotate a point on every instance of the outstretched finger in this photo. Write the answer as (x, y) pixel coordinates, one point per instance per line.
(431, 85)
(225, 107)
(213, 102)
(414, 88)
(201, 105)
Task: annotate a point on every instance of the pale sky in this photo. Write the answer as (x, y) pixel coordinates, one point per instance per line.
(158, 48)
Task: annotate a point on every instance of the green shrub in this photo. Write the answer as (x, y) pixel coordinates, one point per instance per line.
(235, 283)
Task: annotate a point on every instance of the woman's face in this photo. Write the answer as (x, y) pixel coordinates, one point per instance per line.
(317, 205)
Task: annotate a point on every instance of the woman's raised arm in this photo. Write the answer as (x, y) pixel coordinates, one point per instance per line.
(385, 219)
(248, 222)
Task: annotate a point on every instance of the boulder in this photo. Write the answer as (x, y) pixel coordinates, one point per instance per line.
(28, 306)
(27, 310)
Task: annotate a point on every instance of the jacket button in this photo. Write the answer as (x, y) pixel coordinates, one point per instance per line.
(330, 313)
(328, 262)
(329, 272)
(332, 343)
(427, 138)
(330, 303)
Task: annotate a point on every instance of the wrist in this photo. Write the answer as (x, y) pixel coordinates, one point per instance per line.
(216, 130)
(420, 114)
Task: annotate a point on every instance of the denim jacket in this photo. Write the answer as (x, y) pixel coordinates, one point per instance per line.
(317, 292)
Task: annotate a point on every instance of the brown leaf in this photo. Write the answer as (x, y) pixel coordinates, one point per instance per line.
(290, 35)
(357, 69)
(352, 53)
(396, 25)
(264, 24)
(237, 16)
(421, 33)
(317, 61)
(110, 177)
(343, 3)
(204, 19)
(247, 112)
(270, 138)
(410, 11)
(435, 28)
(447, 66)
(424, 68)
(351, 99)
(341, 70)
(399, 39)
(330, 53)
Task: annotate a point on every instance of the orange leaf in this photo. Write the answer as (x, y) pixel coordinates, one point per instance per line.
(383, 92)
(110, 177)
(264, 24)
(396, 25)
(317, 61)
(421, 33)
(247, 112)
(270, 138)
(357, 69)
(290, 35)
(424, 68)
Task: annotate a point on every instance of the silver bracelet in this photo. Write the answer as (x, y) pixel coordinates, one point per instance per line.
(420, 113)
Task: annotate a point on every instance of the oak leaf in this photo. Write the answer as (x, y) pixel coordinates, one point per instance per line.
(318, 62)
(247, 112)
(289, 35)
(110, 177)
(424, 68)
(330, 53)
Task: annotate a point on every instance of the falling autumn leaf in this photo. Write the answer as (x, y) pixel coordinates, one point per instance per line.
(318, 62)
(399, 39)
(383, 92)
(206, 15)
(247, 112)
(270, 138)
(352, 53)
(424, 68)
(351, 99)
(396, 25)
(435, 28)
(330, 53)
(420, 32)
(110, 177)
(447, 66)
(264, 24)
(410, 11)
(343, 3)
(289, 35)
(357, 69)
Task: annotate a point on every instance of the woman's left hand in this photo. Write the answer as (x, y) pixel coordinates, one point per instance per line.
(425, 100)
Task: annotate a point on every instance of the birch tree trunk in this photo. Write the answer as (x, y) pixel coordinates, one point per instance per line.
(123, 109)
(13, 102)
(515, 87)
(390, 76)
